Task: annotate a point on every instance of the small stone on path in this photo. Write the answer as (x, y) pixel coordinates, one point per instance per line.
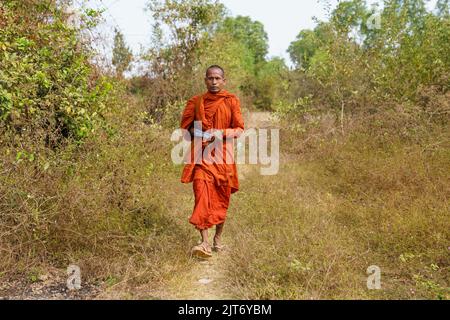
(205, 281)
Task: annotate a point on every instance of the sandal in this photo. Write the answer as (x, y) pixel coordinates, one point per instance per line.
(219, 248)
(202, 251)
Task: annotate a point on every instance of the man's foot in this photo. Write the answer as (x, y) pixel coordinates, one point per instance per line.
(217, 247)
(202, 251)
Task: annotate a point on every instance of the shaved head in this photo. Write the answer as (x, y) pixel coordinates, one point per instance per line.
(216, 67)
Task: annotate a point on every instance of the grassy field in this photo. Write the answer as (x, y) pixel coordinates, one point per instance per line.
(111, 206)
(312, 231)
(87, 179)
(116, 208)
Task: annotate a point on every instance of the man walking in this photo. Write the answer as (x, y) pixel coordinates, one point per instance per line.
(214, 117)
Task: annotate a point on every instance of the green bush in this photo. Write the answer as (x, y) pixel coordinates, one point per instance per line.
(47, 83)
(360, 68)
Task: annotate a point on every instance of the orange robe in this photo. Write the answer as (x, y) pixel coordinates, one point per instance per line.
(213, 183)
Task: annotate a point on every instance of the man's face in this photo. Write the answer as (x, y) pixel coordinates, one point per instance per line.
(215, 80)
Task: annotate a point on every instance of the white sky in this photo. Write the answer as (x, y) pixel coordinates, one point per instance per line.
(282, 19)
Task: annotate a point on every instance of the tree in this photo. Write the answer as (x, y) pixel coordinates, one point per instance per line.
(443, 8)
(48, 86)
(179, 27)
(251, 33)
(122, 55)
(182, 34)
(348, 15)
(232, 55)
(307, 43)
(408, 52)
(270, 83)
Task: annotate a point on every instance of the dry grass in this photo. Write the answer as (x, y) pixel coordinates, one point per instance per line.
(341, 206)
(114, 206)
(111, 206)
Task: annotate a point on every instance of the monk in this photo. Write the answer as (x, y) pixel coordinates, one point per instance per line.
(218, 113)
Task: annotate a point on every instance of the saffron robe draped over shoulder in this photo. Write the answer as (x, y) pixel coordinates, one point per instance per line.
(213, 182)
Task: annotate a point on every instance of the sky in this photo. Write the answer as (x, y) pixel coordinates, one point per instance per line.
(282, 19)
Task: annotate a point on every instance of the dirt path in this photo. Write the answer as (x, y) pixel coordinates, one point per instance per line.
(205, 281)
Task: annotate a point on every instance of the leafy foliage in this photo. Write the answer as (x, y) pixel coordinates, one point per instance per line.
(250, 33)
(46, 81)
(191, 35)
(355, 60)
(122, 55)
